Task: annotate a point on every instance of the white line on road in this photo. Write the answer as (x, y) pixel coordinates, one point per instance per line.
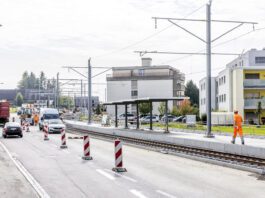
(105, 174)
(165, 194)
(41, 192)
(137, 193)
(123, 176)
(66, 151)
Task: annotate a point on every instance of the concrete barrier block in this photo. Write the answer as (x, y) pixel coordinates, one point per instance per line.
(233, 149)
(216, 146)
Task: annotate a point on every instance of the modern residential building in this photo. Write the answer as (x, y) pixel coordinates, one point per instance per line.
(144, 81)
(240, 86)
(83, 101)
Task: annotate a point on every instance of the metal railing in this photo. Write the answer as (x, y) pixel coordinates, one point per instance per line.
(253, 103)
(254, 83)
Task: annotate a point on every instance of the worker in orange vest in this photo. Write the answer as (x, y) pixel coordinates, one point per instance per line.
(36, 119)
(238, 127)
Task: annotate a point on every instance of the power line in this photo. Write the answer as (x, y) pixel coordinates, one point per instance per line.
(148, 37)
(214, 46)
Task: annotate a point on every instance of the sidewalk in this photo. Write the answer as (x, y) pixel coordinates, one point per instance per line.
(12, 183)
(254, 147)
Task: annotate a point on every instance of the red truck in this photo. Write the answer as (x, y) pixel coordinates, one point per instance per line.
(4, 112)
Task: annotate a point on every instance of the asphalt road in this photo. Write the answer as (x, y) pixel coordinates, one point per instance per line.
(62, 172)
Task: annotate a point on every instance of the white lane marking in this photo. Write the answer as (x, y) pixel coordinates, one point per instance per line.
(41, 192)
(165, 194)
(105, 174)
(66, 151)
(137, 193)
(125, 177)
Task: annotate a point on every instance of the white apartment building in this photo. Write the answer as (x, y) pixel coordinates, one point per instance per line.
(240, 86)
(144, 81)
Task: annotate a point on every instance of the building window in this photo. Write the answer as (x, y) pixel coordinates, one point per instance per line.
(260, 59)
(224, 79)
(134, 93)
(134, 84)
(141, 72)
(224, 97)
(252, 76)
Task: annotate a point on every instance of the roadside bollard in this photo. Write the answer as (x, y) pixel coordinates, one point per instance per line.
(45, 129)
(28, 127)
(86, 148)
(23, 126)
(63, 138)
(118, 157)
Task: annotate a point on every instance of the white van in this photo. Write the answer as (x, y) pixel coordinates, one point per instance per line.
(47, 114)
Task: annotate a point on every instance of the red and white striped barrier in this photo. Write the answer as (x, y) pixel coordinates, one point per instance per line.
(86, 148)
(45, 130)
(27, 127)
(118, 157)
(23, 126)
(63, 138)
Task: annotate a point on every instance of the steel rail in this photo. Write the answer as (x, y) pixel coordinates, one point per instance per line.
(243, 160)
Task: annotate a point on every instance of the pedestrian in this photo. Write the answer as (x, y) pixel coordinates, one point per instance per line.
(238, 127)
(36, 119)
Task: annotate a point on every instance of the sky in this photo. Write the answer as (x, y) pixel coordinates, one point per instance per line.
(45, 35)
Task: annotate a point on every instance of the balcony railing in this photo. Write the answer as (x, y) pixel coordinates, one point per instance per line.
(254, 83)
(253, 103)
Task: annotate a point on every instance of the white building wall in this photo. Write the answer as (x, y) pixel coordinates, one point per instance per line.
(238, 91)
(118, 90)
(156, 88)
(224, 91)
(203, 97)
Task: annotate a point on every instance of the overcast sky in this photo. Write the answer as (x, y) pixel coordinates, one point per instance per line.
(44, 35)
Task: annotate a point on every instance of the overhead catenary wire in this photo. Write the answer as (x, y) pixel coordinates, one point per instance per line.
(214, 46)
(147, 37)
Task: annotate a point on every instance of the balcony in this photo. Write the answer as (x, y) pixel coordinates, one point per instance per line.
(254, 83)
(253, 103)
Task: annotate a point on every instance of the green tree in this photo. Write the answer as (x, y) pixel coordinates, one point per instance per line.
(19, 99)
(66, 102)
(175, 111)
(43, 80)
(259, 110)
(98, 109)
(144, 108)
(23, 83)
(162, 108)
(192, 91)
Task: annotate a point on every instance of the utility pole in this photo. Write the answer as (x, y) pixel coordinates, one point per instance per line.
(57, 92)
(208, 41)
(81, 98)
(89, 81)
(208, 73)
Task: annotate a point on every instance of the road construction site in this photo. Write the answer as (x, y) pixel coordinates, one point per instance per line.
(151, 171)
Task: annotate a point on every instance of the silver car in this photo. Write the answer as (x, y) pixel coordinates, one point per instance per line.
(55, 125)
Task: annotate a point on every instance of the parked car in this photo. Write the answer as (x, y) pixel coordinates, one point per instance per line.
(54, 125)
(179, 119)
(169, 117)
(146, 119)
(130, 117)
(12, 128)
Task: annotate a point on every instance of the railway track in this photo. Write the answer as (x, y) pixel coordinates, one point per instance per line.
(246, 161)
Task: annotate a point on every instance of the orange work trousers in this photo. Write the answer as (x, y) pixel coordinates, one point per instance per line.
(238, 130)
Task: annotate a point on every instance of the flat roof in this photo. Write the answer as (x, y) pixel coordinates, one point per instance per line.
(147, 99)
